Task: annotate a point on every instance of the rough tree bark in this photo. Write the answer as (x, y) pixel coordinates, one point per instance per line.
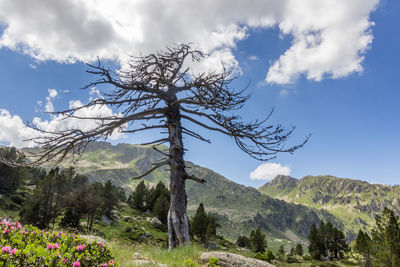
(178, 225)
(158, 92)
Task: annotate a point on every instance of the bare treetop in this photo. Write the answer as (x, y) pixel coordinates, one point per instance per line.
(143, 94)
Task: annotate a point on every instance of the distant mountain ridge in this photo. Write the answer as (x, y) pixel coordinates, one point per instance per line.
(239, 208)
(354, 202)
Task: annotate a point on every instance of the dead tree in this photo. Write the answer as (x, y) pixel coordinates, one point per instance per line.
(159, 92)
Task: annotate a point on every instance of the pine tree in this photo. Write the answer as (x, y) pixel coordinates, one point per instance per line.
(363, 246)
(281, 252)
(155, 193)
(257, 240)
(386, 239)
(313, 238)
(292, 251)
(212, 225)
(109, 198)
(243, 241)
(299, 249)
(200, 223)
(70, 219)
(139, 197)
(161, 208)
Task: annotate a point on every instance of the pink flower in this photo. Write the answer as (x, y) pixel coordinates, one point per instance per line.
(5, 231)
(49, 246)
(12, 228)
(104, 265)
(19, 226)
(74, 236)
(80, 247)
(101, 244)
(12, 252)
(77, 263)
(5, 249)
(111, 262)
(56, 246)
(64, 260)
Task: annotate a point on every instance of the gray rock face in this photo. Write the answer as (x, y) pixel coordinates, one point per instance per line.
(226, 259)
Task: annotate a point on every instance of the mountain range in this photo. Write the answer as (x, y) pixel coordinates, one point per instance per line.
(284, 208)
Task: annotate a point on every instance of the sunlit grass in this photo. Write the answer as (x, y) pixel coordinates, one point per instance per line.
(182, 256)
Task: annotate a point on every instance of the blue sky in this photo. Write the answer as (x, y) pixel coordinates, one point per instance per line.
(349, 103)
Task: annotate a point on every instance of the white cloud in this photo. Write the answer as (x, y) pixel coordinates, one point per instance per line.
(33, 66)
(268, 171)
(49, 107)
(13, 131)
(253, 58)
(283, 92)
(330, 37)
(52, 93)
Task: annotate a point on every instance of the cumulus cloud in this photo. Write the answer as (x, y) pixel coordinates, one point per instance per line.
(14, 132)
(330, 38)
(268, 171)
(49, 107)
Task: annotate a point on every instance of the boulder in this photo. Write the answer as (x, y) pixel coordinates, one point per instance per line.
(142, 237)
(106, 220)
(92, 238)
(115, 217)
(128, 219)
(147, 212)
(155, 222)
(226, 259)
(115, 212)
(148, 235)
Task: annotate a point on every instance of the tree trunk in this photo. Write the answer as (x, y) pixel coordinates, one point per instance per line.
(178, 225)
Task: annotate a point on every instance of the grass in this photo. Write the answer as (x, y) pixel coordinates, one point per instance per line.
(182, 256)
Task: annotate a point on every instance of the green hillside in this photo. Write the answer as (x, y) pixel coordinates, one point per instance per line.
(354, 202)
(239, 208)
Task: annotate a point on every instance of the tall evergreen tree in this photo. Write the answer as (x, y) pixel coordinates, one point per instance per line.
(243, 241)
(363, 246)
(299, 249)
(110, 198)
(139, 198)
(313, 238)
(386, 239)
(11, 177)
(281, 251)
(156, 192)
(212, 225)
(257, 240)
(160, 209)
(200, 223)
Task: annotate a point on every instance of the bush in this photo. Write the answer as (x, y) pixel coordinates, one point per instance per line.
(213, 262)
(29, 246)
(291, 259)
(268, 256)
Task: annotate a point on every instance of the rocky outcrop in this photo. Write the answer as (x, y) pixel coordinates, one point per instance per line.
(92, 238)
(226, 259)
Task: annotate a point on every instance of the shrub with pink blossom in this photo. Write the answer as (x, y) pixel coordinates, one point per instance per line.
(29, 246)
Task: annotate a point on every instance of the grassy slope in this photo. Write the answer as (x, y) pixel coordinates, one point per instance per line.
(354, 202)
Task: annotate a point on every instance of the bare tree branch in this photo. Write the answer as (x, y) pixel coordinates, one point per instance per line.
(158, 165)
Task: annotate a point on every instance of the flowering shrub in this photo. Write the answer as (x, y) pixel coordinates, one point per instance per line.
(29, 246)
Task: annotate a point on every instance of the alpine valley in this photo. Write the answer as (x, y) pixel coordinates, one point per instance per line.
(285, 207)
